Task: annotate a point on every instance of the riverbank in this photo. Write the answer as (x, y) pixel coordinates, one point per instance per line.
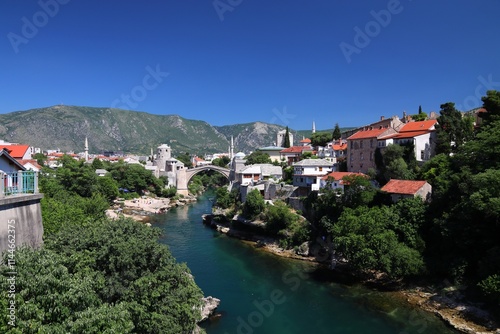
(447, 304)
(141, 209)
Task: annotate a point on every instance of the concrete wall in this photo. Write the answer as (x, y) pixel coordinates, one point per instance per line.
(22, 215)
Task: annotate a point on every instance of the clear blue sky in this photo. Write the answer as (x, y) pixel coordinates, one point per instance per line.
(287, 62)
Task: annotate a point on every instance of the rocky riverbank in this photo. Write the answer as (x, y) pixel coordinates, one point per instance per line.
(449, 305)
(141, 209)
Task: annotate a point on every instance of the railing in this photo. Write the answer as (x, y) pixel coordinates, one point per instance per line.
(22, 182)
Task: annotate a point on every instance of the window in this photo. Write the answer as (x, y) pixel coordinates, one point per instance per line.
(360, 144)
(320, 169)
(371, 156)
(371, 143)
(422, 155)
(361, 156)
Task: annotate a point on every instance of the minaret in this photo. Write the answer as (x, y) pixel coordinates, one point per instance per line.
(86, 149)
(231, 150)
(314, 128)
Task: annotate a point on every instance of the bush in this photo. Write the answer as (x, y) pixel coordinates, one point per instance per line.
(253, 205)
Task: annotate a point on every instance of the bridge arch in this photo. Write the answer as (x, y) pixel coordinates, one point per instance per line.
(185, 175)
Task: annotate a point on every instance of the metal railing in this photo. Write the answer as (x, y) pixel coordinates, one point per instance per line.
(21, 182)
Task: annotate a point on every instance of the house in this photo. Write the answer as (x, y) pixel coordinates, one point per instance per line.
(305, 142)
(294, 153)
(198, 162)
(273, 152)
(362, 144)
(334, 151)
(30, 164)
(19, 152)
(307, 174)
(101, 172)
(422, 135)
(335, 180)
(399, 189)
(252, 174)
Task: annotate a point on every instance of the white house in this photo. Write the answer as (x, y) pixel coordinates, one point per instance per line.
(252, 174)
(422, 135)
(307, 174)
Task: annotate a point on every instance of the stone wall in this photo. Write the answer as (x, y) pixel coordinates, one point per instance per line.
(22, 215)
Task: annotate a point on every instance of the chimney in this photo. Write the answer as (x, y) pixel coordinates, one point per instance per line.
(382, 118)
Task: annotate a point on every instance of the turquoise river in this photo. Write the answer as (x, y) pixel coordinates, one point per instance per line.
(263, 293)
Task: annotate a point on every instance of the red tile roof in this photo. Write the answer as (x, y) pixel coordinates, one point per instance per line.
(405, 187)
(15, 151)
(296, 149)
(419, 126)
(363, 134)
(305, 140)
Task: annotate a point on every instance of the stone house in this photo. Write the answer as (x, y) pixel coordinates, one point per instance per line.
(399, 189)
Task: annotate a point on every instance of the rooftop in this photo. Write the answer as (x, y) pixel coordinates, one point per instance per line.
(404, 187)
(419, 126)
(314, 162)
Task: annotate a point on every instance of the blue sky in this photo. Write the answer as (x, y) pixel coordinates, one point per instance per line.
(236, 61)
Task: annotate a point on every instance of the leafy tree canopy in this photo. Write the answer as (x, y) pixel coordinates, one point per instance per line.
(320, 138)
(258, 157)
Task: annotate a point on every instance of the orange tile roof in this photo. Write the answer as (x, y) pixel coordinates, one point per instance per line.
(411, 134)
(340, 147)
(305, 140)
(405, 187)
(340, 175)
(31, 161)
(15, 151)
(418, 126)
(362, 134)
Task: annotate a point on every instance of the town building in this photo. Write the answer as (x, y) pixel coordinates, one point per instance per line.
(362, 144)
(280, 138)
(294, 153)
(335, 180)
(399, 189)
(307, 174)
(273, 152)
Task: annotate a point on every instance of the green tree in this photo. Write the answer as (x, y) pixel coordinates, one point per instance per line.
(358, 191)
(40, 158)
(108, 187)
(364, 237)
(336, 135)
(185, 158)
(453, 129)
(258, 157)
(286, 140)
(221, 162)
(224, 199)
(491, 102)
(97, 164)
(254, 204)
(320, 138)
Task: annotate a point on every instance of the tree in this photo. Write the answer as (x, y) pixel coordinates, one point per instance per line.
(320, 138)
(97, 164)
(258, 157)
(453, 129)
(336, 135)
(224, 199)
(221, 162)
(491, 102)
(185, 158)
(105, 277)
(254, 204)
(421, 116)
(358, 191)
(364, 237)
(286, 140)
(40, 158)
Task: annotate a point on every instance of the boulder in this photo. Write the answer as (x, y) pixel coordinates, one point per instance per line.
(209, 306)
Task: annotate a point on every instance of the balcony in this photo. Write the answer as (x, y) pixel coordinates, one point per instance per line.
(18, 183)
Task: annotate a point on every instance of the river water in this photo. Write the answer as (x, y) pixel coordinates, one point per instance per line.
(263, 293)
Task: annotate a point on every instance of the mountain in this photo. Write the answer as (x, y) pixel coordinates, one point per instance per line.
(65, 128)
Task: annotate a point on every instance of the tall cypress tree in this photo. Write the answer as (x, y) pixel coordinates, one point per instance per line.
(336, 132)
(286, 142)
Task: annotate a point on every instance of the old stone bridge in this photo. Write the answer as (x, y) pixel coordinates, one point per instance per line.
(184, 176)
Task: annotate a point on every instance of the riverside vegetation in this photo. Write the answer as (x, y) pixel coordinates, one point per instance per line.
(95, 275)
(451, 242)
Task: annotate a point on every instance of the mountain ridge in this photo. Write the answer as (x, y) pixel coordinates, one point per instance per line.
(108, 129)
